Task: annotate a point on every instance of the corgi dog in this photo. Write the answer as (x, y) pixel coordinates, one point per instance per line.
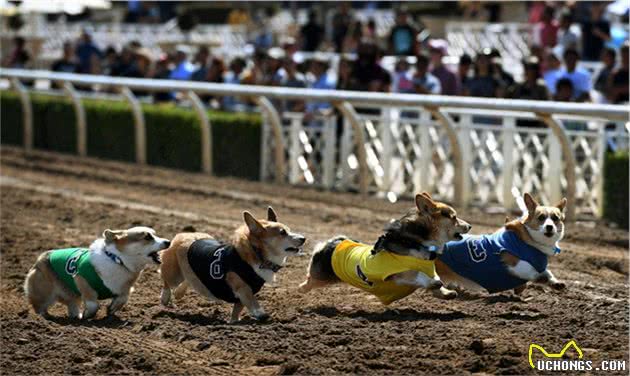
(509, 258)
(107, 269)
(232, 271)
(401, 261)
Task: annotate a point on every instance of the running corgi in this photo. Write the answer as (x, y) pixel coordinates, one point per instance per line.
(509, 258)
(401, 261)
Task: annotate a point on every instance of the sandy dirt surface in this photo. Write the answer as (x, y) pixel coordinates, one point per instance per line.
(53, 201)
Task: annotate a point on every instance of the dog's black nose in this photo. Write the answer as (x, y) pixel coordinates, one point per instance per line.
(167, 243)
(302, 240)
(549, 228)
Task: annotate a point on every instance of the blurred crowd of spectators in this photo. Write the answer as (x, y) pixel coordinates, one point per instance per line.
(563, 36)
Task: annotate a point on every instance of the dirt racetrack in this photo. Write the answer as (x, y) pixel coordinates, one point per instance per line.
(53, 201)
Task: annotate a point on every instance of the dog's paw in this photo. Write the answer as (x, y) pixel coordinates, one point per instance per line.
(557, 285)
(444, 293)
(262, 317)
(436, 284)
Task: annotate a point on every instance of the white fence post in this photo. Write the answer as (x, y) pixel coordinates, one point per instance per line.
(275, 122)
(426, 151)
(140, 127)
(206, 131)
(389, 118)
(27, 114)
(295, 149)
(465, 126)
(328, 157)
(359, 141)
(509, 128)
(80, 114)
(601, 156)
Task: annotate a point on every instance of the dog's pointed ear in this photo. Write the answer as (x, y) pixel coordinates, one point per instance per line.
(254, 226)
(111, 236)
(507, 219)
(271, 215)
(427, 195)
(530, 203)
(425, 203)
(562, 204)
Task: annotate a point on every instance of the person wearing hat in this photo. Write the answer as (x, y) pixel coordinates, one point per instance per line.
(448, 80)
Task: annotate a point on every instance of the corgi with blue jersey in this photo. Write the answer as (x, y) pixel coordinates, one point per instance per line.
(508, 259)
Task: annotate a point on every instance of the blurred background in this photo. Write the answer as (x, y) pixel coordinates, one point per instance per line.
(565, 51)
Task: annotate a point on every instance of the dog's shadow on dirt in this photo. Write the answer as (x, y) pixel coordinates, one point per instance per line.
(389, 314)
(105, 322)
(205, 319)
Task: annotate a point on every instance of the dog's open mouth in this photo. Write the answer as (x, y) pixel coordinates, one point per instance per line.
(293, 250)
(458, 236)
(549, 234)
(155, 256)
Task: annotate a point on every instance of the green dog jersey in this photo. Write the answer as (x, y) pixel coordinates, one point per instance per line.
(76, 261)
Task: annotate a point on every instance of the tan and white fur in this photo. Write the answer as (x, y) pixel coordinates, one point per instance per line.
(274, 239)
(430, 223)
(542, 227)
(136, 247)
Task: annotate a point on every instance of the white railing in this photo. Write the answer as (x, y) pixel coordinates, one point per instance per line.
(465, 150)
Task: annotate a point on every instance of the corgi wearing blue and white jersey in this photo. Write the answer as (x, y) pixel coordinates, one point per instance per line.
(509, 258)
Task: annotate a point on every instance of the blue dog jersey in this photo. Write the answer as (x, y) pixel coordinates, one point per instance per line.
(477, 258)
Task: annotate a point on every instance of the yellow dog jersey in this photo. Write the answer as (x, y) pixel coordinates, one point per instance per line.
(355, 264)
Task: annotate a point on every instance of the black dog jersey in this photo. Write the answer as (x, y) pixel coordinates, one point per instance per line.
(211, 260)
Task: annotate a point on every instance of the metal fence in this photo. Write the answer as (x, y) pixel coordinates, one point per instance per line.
(465, 150)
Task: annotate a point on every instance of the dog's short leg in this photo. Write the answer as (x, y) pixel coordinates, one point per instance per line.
(444, 293)
(417, 279)
(311, 283)
(236, 312)
(180, 291)
(244, 293)
(165, 296)
(116, 304)
(74, 309)
(548, 278)
(89, 296)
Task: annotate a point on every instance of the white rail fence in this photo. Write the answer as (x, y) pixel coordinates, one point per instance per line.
(465, 150)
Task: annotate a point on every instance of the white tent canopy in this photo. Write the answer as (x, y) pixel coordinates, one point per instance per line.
(62, 6)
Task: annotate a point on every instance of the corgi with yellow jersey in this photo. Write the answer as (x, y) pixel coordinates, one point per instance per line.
(401, 261)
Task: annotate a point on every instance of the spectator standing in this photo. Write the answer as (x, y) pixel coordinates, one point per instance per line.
(423, 81)
(292, 78)
(201, 63)
(569, 34)
(533, 87)
(618, 86)
(68, 62)
(183, 68)
(312, 33)
(18, 57)
(595, 33)
(110, 61)
(87, 52)
(403, 79)
(553, 71)
(580, 78)
(123, 62)
(162, 71)
(564, 90)
(402, 36)
(367, 73)
(463, 73)
(353, 38)
(141, 64)
(609, 58)
(484, 82)
(320, 79)
(546, 31)
(234, 76)
(344, 75)
(448, 79)
(341, 20)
